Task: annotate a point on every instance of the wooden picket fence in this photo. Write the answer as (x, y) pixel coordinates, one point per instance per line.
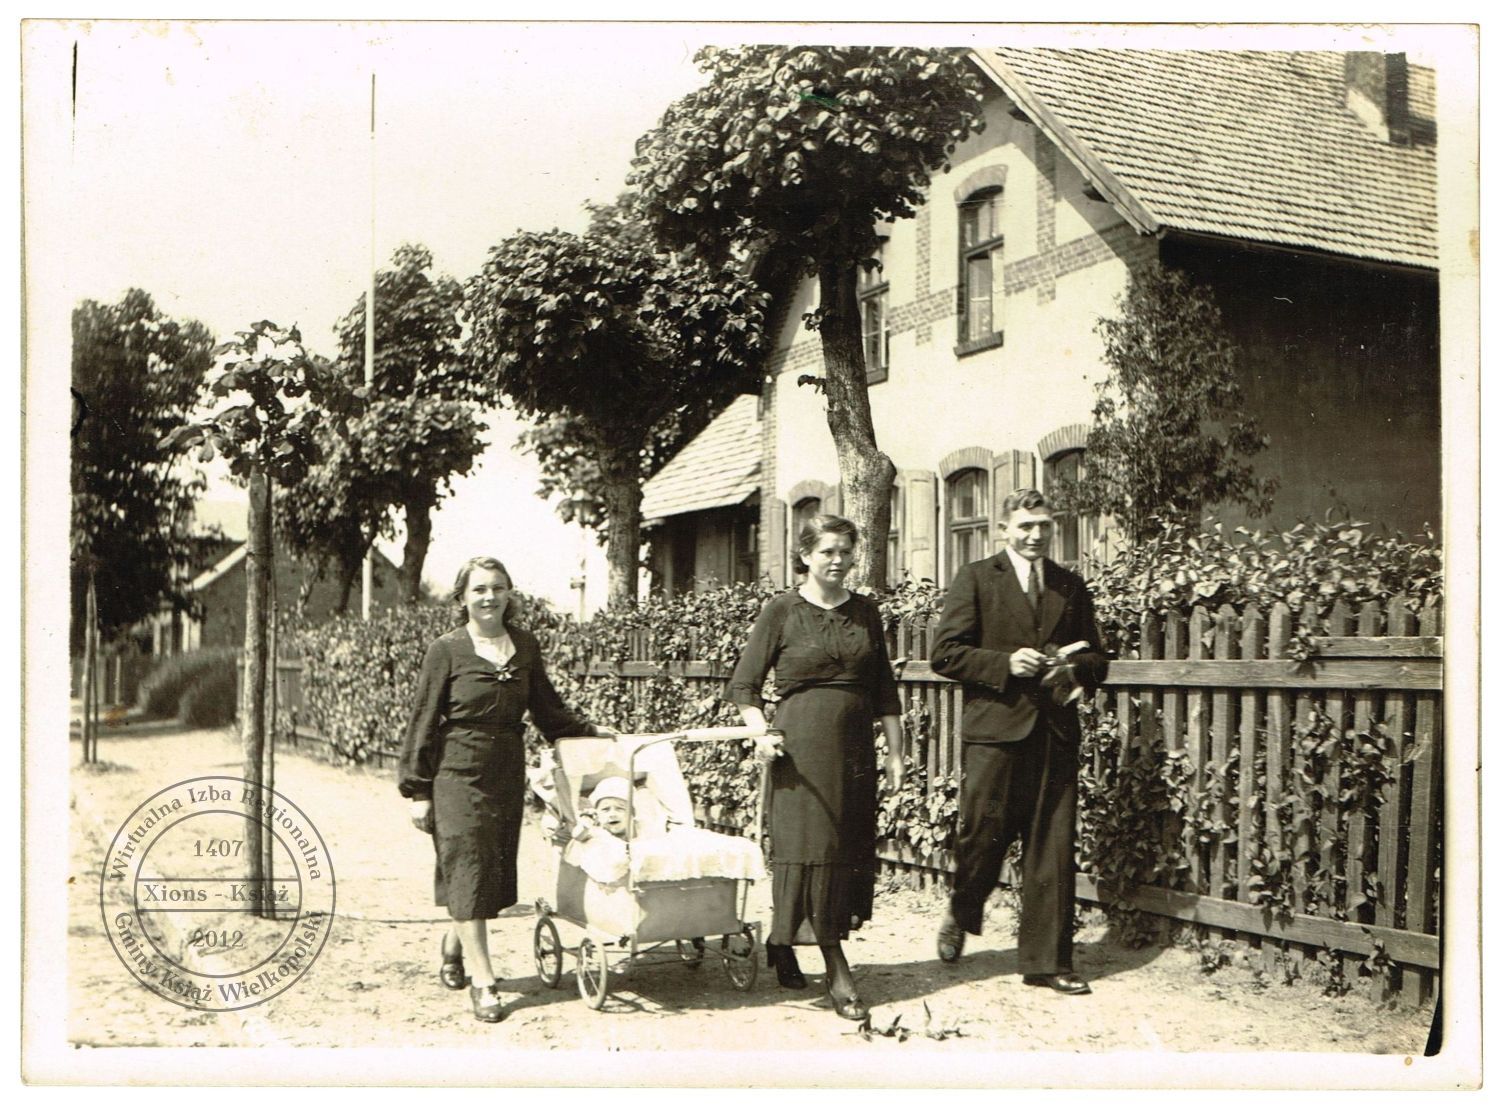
(1232, 689)
(1233, 693)
(119, 677)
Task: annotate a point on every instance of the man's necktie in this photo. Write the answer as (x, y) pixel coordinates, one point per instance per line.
(1034, 586)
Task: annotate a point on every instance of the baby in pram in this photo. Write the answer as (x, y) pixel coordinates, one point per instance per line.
(597, 844)
(646, 832)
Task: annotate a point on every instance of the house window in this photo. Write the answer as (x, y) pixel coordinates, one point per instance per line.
(874, 317)
(747, 544)
(893, 564)
(1058, 471)
(981, 273)
(802, 511)
(968, 517)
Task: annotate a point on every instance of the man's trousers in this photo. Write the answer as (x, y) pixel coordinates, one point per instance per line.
(1025, 790)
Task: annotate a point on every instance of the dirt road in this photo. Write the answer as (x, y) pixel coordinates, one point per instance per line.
(374, 984)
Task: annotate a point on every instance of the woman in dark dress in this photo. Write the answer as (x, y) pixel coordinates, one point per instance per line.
(833, 680)
(463, 767)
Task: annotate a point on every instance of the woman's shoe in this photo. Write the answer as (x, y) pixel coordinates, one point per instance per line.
(849, 1007)
(783, 959)
(487, 1005)
(451, 972)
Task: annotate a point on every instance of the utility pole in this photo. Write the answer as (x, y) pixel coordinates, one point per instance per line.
(367, 574)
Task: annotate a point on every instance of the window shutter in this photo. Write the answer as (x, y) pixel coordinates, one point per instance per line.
(1014, 469)
(773, 540)
(920, 532)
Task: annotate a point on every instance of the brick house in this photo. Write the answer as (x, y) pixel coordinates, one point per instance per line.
(1301, 187)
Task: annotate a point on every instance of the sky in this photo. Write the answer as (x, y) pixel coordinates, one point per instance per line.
(226, 169)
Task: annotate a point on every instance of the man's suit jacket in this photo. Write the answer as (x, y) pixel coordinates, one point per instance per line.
(986, 617)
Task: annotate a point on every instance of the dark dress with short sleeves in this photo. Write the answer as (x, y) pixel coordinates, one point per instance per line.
(464, 750)
(833, 679)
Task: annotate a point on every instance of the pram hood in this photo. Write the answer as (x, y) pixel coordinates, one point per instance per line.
(648, 762)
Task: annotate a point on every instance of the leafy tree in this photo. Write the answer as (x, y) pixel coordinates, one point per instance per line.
(135, 377)
(564, 450)
(614, 338)
(1170, 435)
(333, 514)
(421, 428)
(795, 153)
(570, 469)
(273, 398)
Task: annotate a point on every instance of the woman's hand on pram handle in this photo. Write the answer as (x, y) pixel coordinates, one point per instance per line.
(768, 746)
(421, 816)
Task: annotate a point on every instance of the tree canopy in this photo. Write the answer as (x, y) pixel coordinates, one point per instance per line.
(1170, 436)
(419, 430)
(804, 148)
(135, 377)
(792, 154)
(272, 398)
(614, 338)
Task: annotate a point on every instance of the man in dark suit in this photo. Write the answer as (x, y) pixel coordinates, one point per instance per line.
(1018, 630)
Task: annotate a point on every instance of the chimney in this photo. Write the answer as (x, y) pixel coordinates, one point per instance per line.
(1375, 91)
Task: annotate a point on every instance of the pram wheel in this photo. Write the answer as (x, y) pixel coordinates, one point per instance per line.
(691, 951)
(593, 972)
(739, 959)
(546, 948)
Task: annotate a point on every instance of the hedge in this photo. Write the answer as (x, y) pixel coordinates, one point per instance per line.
(358, 676)
(168, 683)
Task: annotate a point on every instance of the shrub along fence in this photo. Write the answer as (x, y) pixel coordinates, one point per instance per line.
(1239, 772)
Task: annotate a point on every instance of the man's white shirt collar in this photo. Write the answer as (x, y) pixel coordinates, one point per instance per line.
(1022, 569)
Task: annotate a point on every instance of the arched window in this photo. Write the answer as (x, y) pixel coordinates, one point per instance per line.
(981, 271)
(968, 517)
(802, 511)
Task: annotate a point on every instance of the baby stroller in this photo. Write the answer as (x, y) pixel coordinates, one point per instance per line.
(683, 884)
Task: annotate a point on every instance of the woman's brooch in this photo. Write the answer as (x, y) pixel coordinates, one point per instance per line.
(506, 672)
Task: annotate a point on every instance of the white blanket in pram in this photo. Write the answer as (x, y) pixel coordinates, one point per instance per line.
(692, 852)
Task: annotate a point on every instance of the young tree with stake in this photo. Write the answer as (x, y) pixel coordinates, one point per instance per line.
(271, 398)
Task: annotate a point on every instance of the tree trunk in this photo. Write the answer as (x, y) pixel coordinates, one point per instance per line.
(864, 472)
(253, 700)
(620, 466)
(418, 512)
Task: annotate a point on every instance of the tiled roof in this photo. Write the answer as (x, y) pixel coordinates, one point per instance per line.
(1247, 144)
(718, 468)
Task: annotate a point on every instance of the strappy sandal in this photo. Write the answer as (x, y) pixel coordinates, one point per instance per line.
(850, 1007)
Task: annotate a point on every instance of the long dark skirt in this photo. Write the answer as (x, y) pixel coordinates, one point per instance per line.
(822, 818)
